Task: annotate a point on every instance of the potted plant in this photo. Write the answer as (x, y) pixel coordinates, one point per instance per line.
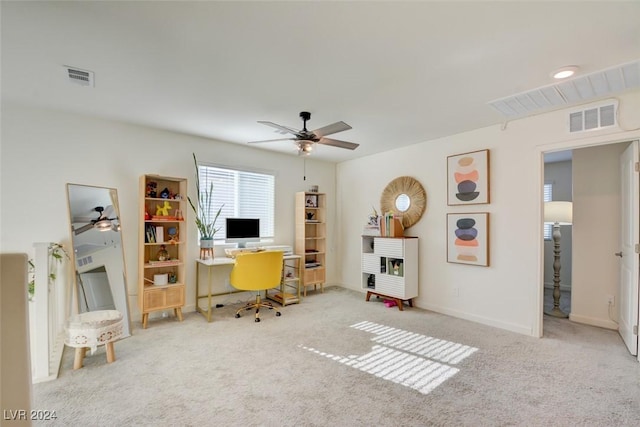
(56, 253)
(206, 227)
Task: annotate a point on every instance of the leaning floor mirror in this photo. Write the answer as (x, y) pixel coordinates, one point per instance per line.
(98, 256)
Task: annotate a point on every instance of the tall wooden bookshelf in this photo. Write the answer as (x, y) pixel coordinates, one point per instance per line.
(311, 241)
(162, 245)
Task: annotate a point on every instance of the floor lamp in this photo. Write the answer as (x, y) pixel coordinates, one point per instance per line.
(557, 213)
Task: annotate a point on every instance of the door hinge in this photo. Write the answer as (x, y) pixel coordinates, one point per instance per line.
(637, 166)
(635, 329)
(637, 248)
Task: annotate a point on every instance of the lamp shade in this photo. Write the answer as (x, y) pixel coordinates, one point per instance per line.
(560, 212)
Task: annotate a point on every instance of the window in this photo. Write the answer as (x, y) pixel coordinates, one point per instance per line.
(242, 194)
(547, 196)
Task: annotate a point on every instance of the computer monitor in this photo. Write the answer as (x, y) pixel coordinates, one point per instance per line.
(242, 231)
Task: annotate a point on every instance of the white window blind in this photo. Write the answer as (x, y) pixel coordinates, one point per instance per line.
(547, 197)
(242, 194)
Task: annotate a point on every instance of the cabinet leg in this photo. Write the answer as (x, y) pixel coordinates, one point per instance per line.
(178, 312)
(111, 352)
(145, 320)
(368, 296)
(399, 303)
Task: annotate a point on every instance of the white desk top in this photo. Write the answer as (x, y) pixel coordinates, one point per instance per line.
(225, 260)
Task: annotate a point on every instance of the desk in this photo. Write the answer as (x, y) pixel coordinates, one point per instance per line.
(291, 264)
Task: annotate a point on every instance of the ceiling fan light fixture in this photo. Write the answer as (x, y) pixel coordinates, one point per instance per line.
(564, 72)
(103, 225)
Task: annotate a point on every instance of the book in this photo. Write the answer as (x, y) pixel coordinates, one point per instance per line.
(159, 234)
(391, 225)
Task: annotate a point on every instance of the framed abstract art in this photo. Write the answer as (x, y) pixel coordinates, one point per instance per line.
(468, 178)
(468, 238)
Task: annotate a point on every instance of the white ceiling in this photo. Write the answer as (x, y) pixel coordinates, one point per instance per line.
(398, 72)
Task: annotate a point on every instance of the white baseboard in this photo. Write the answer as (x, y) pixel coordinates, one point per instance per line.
(479, 319)
(601, 323)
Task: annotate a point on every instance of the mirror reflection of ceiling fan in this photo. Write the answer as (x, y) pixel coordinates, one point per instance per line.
(102, 223)
(305, 139)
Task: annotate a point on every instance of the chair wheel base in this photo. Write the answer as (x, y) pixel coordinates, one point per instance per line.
(237, 315)
(278, 313)
(257, 319)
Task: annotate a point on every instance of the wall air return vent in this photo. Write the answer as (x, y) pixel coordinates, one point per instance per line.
(593, 117)
(79, 77)
(586, 88)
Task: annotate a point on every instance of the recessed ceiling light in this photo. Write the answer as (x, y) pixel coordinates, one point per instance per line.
(564, 72)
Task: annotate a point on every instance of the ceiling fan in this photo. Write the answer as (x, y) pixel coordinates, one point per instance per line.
(305, 139)
(102, 223)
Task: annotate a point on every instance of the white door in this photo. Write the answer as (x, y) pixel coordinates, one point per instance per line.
(629, 237)
(95, 292)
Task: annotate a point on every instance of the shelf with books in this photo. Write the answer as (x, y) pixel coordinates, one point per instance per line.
(310, 242)
(162, 244)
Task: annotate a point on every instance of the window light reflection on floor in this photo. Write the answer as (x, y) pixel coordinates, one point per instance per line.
(404, 357)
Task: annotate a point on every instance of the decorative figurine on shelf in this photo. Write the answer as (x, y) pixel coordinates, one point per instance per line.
(309, 216)
(164, 194)
(151, 189)
(147, 217)
(396, 267)
(163, 210)
(173, 235)
(373, 217)
(311, 201)
(163, 255)
(179, 216)
(172, 277)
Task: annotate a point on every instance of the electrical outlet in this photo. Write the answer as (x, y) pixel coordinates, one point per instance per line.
(611, 300)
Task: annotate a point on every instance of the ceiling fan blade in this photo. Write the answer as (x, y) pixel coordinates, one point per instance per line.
(82, 229)
(272, 140)
(282, 129)
(332, 128)
(109, 211)
(338, 143)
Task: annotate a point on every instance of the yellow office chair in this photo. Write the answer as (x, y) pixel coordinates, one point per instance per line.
(257, 271)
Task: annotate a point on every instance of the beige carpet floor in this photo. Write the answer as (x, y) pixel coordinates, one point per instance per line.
(336, 360)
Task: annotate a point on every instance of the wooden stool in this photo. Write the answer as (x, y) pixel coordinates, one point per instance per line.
(91, 329)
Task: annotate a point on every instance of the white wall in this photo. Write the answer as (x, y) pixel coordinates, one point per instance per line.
(44, 150)
(508, 294)
(596, 234)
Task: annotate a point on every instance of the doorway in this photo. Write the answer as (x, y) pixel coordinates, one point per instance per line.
(558, 186)
(596, 192)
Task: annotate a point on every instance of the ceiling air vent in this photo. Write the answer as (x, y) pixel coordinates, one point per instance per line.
(587, 88)
(593, 118)
(80, 77)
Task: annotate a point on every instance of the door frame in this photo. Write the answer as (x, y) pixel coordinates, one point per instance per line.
(540, 151)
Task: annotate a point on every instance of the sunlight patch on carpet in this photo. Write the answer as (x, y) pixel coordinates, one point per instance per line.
(409, 361)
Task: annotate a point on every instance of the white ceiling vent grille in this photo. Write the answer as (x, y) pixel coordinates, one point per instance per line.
(80, 77)
(571, 92)
(593, 118)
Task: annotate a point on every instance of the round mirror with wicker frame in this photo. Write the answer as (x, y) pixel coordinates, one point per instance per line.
(406, 196)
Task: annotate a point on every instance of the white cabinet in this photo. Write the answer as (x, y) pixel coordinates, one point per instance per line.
(390, 268)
